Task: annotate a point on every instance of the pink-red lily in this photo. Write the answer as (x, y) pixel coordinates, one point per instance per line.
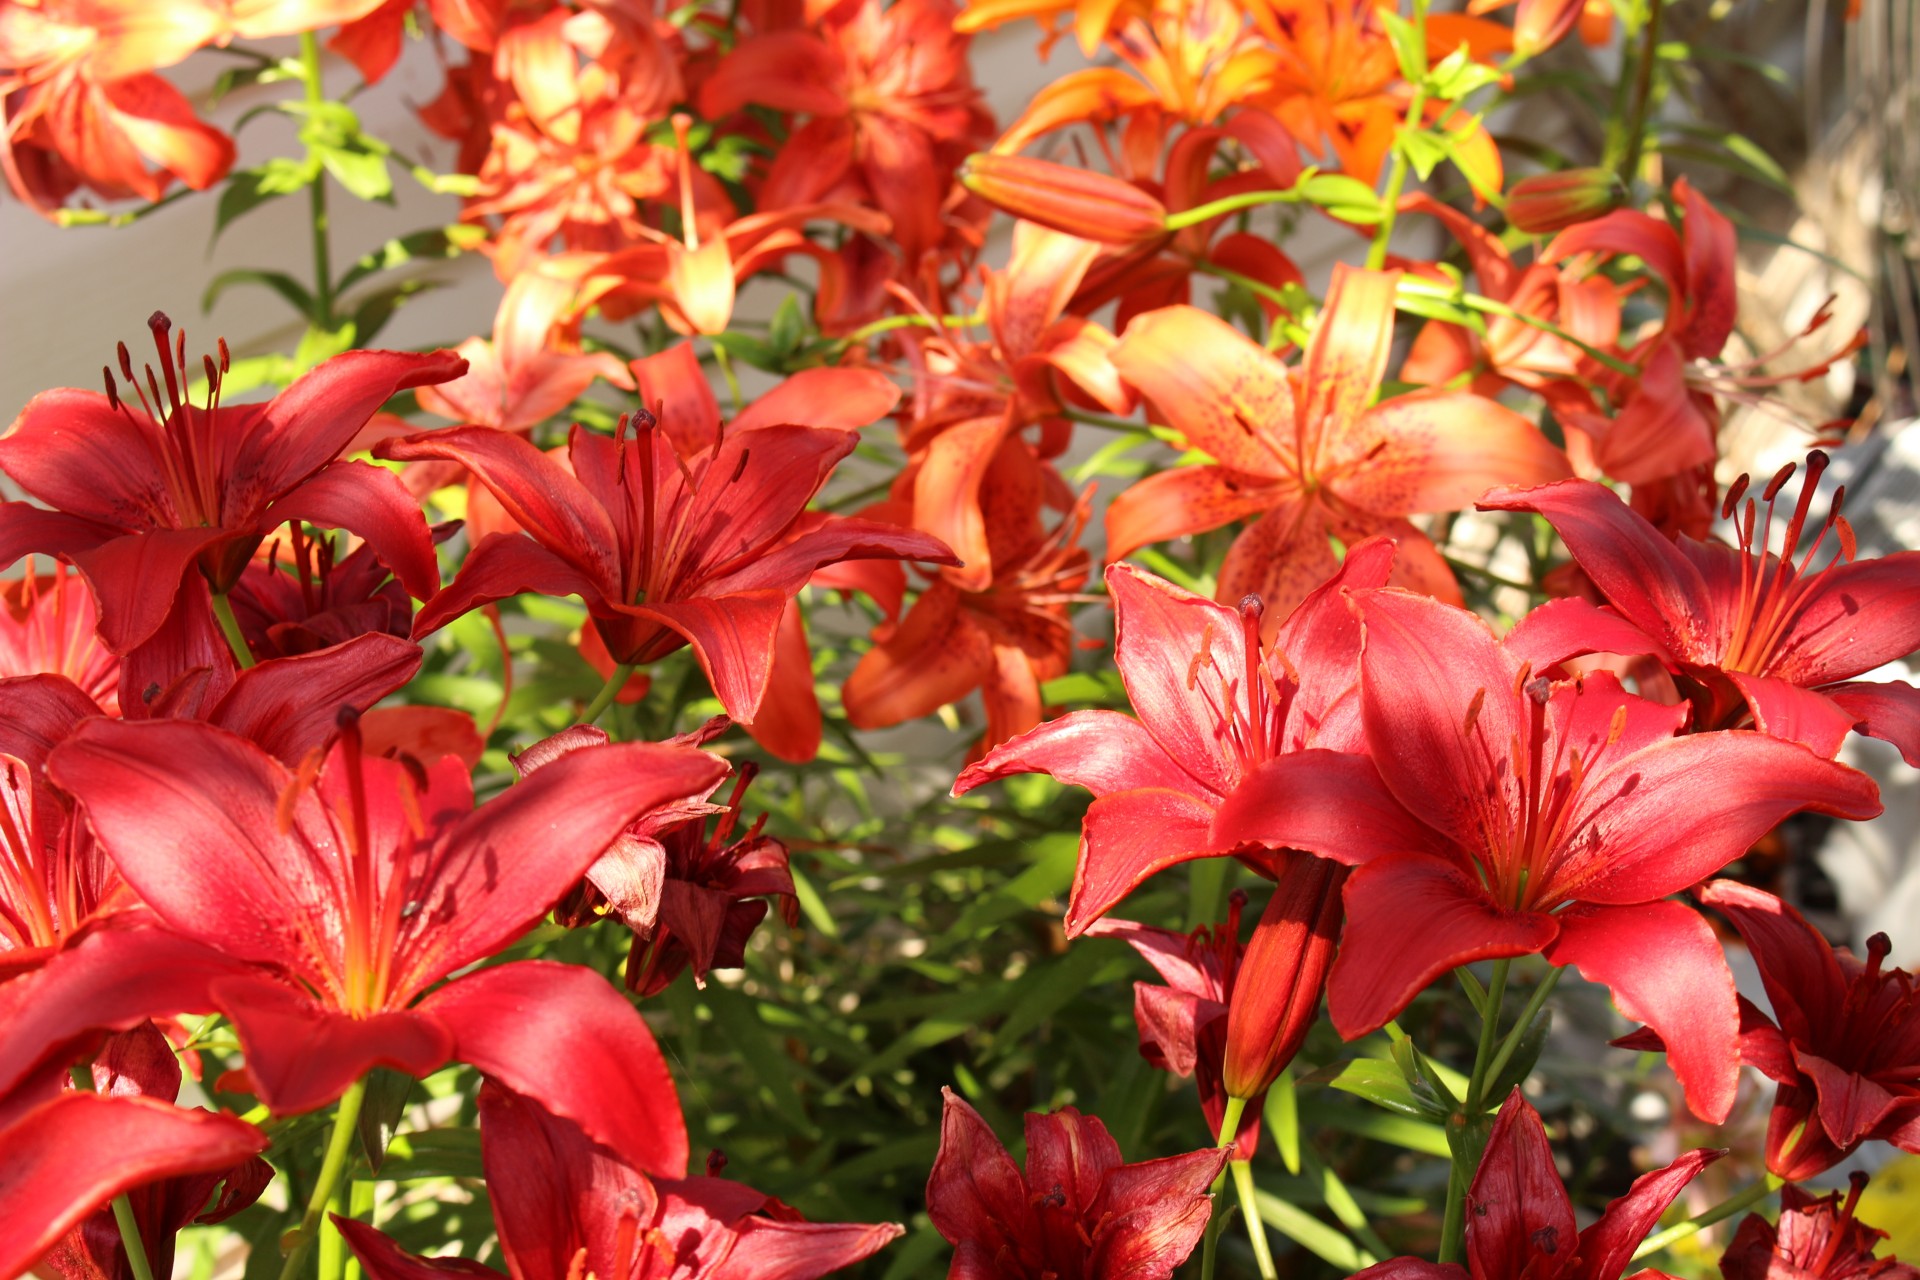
(316, 909)
(1537, 818)
(1214, 703)
(1077, 1213)
(665, 551)
(1816, 1238)
(140, 499)
(1304, 452)
(1520, 1223)
(141, 1064)
(49, 625)
(1846, 1050)
(1745, 631)
(567, 1206)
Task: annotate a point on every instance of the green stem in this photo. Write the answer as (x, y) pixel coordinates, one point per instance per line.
(1633, 135)
(1101, 420)
(333, 1168)
(1725, 1209)
(1539, 997)
(1256, 1230)
(1255, 287)
(122, 1207)
(1216, 1225)
(1230, 1122)
(1473, 1108)
(317, 191)
(889, 323)
(1489, 1034)
(1487, 575)
(725, 362)
(604, 699)
(1397, 175)
(331, 1261)
(230, 628)
(1230, 204)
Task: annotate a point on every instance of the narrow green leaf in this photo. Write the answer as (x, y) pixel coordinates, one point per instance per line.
(1282, 1115)
(1316, 1237)
(279, 281)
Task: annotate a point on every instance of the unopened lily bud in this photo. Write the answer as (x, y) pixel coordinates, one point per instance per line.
(1548, 202)
(1276, 990)
(1538, 25)
(1093, 206)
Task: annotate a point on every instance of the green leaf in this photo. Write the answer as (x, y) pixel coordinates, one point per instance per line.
(279, 281)
(1316, 1237)
(433, 1153)
(1079, 688)
(1051, 874)
(250, 188)
(380, 1113)
(915, 1256)
(1049, 987)
(371, 313)
(1282, 1115)
(1724, 157)
(1409, 41)
(1400, 1131)
(812, 905)
(776, 1073)
(1379, 1082)
(788, 328)
(1424, 149)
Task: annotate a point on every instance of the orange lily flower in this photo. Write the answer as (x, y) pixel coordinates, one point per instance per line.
(1004, 640)
(971, 398)
(80, 105)
(892, 101)
(1336, 79)
(1190, 60)
(694, 278)
(1093, 20)
(1303, 450)
(1514, 352)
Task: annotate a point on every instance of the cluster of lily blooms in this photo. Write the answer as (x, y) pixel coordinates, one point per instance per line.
(206, 808)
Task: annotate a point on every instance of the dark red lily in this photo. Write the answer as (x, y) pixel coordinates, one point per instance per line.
(315, 909)
(1520, 1223)
(1846, 1052)
(140, 498)
(141, 1064)
(691, 899)
(1077, 1213)
(1183, 1025)
(567, 1206)
(665, 551)
(313, 598)
(1817, 1238)
(1745, 631)
(1214, 703)
(1512, 814)
(69, 1153)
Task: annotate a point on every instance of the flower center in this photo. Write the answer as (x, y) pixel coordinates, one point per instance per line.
(1772, 589)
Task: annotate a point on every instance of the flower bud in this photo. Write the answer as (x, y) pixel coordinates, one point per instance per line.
(1538, 25)
(1549, 202)
(1093, 206)
(1276, 991)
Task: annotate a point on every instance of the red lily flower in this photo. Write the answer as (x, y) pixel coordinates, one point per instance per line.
(83, 107)
(141, 1064)
(1848, 1040)
(140, 499)
(1520, 1221)
(892, 102)
(690, 898)
(1541, 821)
(1745, 631)
(323, 905)
(53, 877)
(1315, 462)
(315, 601)
(1078, 1212)
(1005, 640)
(1183, 1025)
(69, 1153)
(1214, 703)
(664, 551)
(567, 1206)
(48, 625)
(1817, 1238)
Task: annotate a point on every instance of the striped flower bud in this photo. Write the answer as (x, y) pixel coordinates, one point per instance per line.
(1093, 206)
(1548, 202)
(1276, 991)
